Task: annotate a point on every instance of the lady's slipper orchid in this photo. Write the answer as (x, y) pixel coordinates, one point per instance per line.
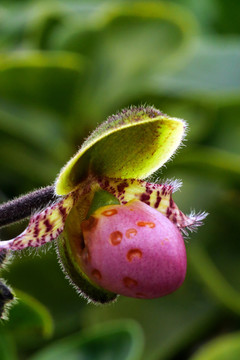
(117, 234)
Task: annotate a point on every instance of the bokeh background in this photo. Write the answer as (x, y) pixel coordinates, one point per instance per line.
(65, 65)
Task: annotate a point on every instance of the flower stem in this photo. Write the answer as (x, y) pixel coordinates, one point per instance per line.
(24, 206)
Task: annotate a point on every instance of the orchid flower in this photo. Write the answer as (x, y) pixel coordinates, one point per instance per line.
(115, 232)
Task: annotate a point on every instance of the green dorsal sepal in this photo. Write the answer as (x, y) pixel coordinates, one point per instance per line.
(132, 144)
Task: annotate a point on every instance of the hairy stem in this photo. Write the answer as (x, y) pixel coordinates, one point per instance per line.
(24, 206)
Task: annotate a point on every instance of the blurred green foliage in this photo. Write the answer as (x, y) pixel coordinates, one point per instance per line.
(64, 67)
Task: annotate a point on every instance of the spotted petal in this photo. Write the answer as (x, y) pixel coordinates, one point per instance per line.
(43, 227)
(158, 196)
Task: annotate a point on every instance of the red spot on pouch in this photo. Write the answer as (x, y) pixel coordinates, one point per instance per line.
(130, 233)
(134, 254)
(129, 283)
(115, 237)
(109, 212)
(89, 224)
(149, 224)
(96, 274)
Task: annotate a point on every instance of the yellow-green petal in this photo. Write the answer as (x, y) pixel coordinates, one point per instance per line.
(131, 144)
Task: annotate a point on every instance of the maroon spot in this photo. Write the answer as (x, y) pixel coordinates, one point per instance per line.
(115, 237)
(62, 211)
(17, 243)
(129, 283)
(174, 219)
(48, 225)
(156, 205)
(130, 233)
(96, 274)
(148, 190)
(109, 212)
(36, 230)
(122, 186)
(134, 254)
(169, 212)
(148, 224)
(164, 190)
(145, 198)
(172, 205)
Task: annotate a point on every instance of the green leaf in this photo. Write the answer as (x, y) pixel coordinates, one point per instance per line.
(120, 340)
(156, 30)
(7, 347)
(131, 144)
(211, 74)
(14, 154)
(222, 348)
(215, 281)
(42, 79)
(124, 42)
(214, 162)
(40, 129)
(28, 320)
(170, 323)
